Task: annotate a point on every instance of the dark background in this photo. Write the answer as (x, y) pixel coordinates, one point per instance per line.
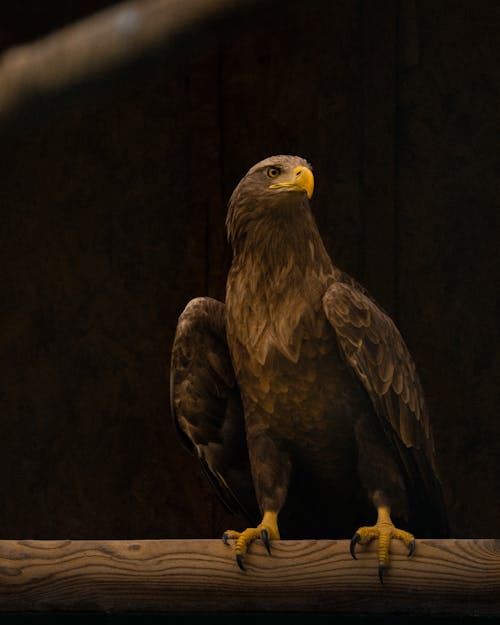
(111, 218)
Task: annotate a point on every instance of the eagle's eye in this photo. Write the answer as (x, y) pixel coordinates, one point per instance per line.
(273, 172)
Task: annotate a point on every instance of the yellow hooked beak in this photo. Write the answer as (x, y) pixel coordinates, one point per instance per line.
(302, 180)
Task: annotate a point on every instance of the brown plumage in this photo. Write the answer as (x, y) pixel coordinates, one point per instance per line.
(299, 394)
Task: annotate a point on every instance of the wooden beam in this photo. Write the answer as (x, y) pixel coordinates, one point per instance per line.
(445, 577)
(92, 49)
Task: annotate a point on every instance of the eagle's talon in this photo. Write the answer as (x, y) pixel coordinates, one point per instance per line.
(384, 531)
(265, 539)
(267, 530)
(239, 561)
(411, 548)
(352, 547)
(381, 571)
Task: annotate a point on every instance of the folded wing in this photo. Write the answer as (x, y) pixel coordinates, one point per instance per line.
(377, 353)
(206, 404)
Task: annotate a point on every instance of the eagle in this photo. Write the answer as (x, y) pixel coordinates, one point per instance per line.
(298, 393)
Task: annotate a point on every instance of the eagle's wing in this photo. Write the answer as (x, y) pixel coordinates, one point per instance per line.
(206, 404)
(373, 346)
(376, 351)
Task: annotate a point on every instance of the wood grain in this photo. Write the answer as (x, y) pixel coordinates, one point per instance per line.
(444, 577)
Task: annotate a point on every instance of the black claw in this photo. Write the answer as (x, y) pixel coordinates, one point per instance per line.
(239, 560)
(265, 539)
(411, 548)
(381, 571)
(225, 539)
(352, 548)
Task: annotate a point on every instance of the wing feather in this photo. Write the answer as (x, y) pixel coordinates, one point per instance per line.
(206, 404)
(375, 349)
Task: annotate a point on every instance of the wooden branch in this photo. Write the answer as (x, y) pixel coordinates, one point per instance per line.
(93, 48)
(460, 577)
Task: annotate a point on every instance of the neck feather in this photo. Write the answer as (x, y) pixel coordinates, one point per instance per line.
(279, 275)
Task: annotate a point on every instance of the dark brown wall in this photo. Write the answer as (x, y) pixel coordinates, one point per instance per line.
(448, 245)
(111, 219)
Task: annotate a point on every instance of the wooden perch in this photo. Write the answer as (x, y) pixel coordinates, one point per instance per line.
(460, 577)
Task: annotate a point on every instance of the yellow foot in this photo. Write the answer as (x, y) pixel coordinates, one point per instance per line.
(266, 530)
(384, 530)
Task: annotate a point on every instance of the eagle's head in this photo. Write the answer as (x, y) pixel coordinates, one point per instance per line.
(274, 187)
